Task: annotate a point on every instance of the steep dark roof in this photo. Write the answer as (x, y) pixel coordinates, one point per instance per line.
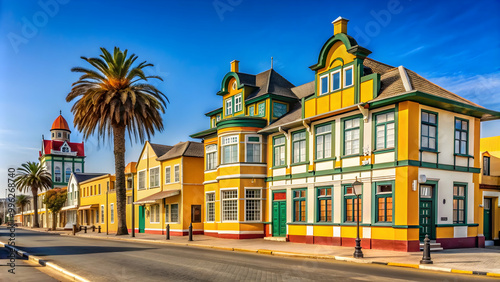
(159, 149)
(186, 149)
(80, 177)
(376, 66)
(304, 90)
(271, 82)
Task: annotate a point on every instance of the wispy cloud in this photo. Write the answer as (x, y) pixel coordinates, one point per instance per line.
(415, 50)
(481, 89)
(15, 147)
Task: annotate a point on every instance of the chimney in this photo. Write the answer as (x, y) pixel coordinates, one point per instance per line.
(234, 66)
(340, 25)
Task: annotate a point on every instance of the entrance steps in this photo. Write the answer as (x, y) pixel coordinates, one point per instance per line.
(434, 246)
(276, 239)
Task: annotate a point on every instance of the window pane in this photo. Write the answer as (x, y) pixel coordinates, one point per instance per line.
(458, 124)
(324, 85)
(464, 125)
(336, 81)
(425, 117)
(348, 77)
(432, 131)
(425, 130)
(432, 118)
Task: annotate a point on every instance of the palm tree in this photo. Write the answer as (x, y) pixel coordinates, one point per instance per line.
(114, 99)
(21, 201)
(33, 176)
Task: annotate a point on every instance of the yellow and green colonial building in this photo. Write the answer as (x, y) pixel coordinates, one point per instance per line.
(280, 159)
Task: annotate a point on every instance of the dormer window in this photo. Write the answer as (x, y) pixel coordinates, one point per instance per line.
(229, 107)
(336, 80)
(348, 76)
(323, 84)
(237, 103)
(65, 148)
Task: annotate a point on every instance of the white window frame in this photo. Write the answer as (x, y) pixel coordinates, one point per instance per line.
(211, 149)
(139, 180)
(206, 206)
(218, 117)
(238, 106)
(222, 200)
(168, 220)
(152, 209)
(168, 179)
(344, 76)
(258, 199)
(331, 80)
(321, 84)
(97, 216)
(177, 174)
(102, 213)
(112, 213)
(228, 110)
(56, 178)
(159, 177)
(253, 142)
(230, 141)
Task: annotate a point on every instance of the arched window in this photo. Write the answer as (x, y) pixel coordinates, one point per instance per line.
(65, 149)
(59, 134)
(57, 174)
(77, 170)
(67, 174)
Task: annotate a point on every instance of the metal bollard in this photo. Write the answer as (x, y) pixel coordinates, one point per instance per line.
(80, 227)
(85, 229)
(93, 228)
(99, 229)
(74, 229)
(191, 231)
(168, 231)
(426, 257)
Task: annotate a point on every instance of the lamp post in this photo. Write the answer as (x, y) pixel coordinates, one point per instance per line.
(357, 188)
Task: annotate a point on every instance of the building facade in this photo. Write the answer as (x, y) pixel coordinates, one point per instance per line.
(280, 159)
(489, 188)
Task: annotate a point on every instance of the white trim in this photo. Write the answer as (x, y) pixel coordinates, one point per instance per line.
(404, 77)
(241, 164)
(241, 176)
(261, 199)
(151, 214)
(169, 174)
(112, 212)
(221, 200)
(210, 171)
(236, 132)
(145, 180)
(206, 209)
(209, 182)
(179, 173)
(240, 95)
(230, 100)
(233, 232)
(159, 177)
(344, 76)
(170, 213)
(253, 142)
(321, 84)
(331, 80)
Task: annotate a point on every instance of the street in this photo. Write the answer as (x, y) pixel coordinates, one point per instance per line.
(105, 260)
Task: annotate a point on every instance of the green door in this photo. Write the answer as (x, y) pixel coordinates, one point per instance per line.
(426, 213)
(279, 218)
(142, 222)
(487, 219)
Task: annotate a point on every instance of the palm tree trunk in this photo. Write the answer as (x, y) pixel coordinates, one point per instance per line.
(34, 191)
(54, 221)
(22, 216)
(119, 150)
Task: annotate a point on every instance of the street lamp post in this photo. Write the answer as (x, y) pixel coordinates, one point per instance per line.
(357, 187)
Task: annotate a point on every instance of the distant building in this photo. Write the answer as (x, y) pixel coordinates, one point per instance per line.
(489, 189)
(61, 156)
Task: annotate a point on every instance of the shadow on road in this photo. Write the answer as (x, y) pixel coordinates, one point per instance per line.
(77, 250)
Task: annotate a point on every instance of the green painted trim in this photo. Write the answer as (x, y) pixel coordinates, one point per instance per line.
(241, 122)
(343, 207)
(436, 125)
(204, 133)
(300, 163)
(375, 197)
(317, 205)
(299, 199)
(376, 152)
(301, 175)
(455, 137)
(458, 224)
(303, 107)
(361, 130)
(462, 155)
(332, 141)
(225, 81)
(434, 203)
(325, 160)
(406, 226)
(358, 68)
(274, 147)
(437, 102)
(306, 148)
(374, 129)
(376, 82)
(464, 198)
(348, 41)
(216, 111)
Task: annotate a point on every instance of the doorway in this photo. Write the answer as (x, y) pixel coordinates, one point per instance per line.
(487, 230)
(142, 221)
(427, 212)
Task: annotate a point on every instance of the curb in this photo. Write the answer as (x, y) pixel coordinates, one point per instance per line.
(44, 263)
(297, 255)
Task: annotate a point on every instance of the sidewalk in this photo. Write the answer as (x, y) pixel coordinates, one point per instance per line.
(472, 260)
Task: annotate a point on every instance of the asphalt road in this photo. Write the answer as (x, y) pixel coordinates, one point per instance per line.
(104, 260)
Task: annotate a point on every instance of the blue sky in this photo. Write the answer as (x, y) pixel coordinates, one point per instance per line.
(454, 44)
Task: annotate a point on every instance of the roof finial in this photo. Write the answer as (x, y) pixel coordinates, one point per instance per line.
(60, 112)
(271, 62)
